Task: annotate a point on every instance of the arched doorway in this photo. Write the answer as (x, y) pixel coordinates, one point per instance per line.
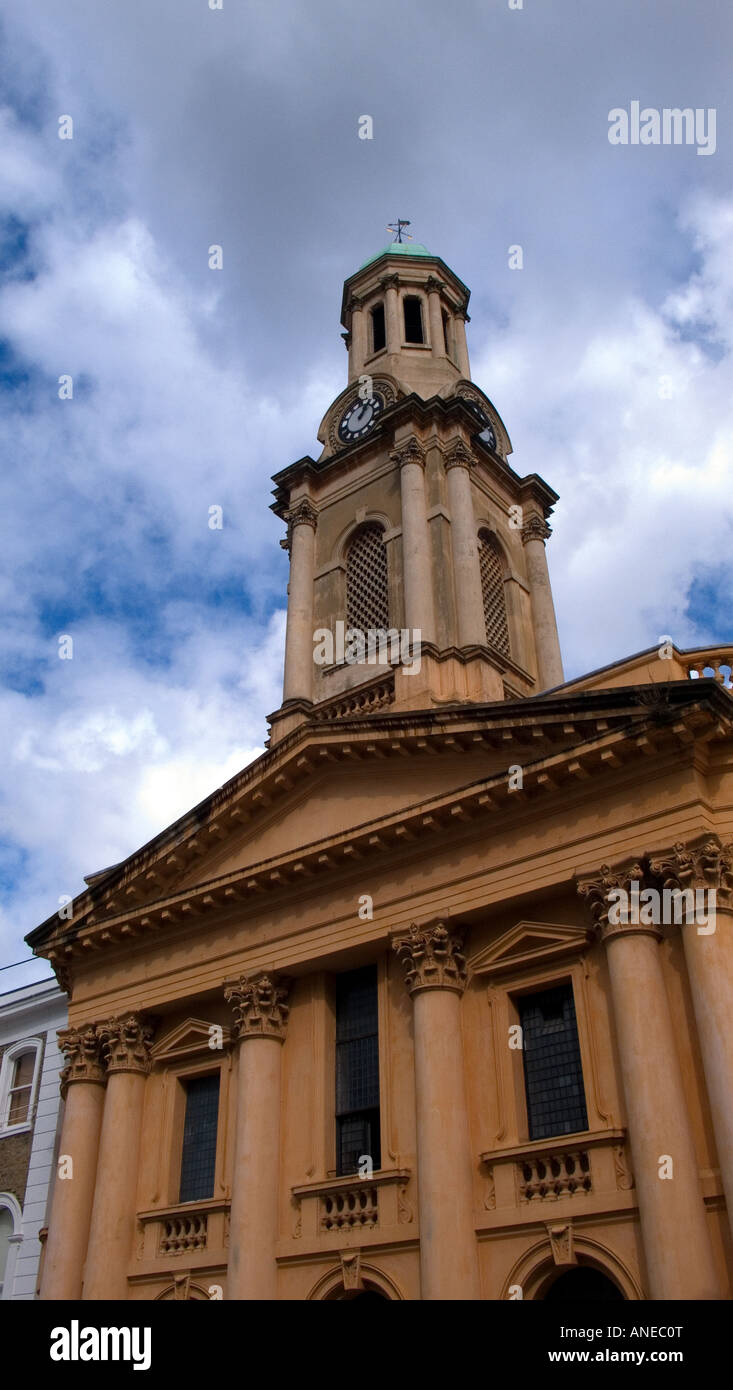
(583, 1284)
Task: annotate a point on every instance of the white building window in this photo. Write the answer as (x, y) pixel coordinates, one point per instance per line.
(18, 1084)
(10, 1237)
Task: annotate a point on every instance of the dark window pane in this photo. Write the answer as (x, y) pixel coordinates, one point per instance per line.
(379, 337)
(357, 1069)
(199, 1138)
(413, 321)
(553, 1075)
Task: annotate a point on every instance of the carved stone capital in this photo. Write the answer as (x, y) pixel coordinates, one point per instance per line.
(433, 285)
(126, 1043)
(410, 452)
(597, 889)
(535, 528)
(458, 455)
(389, 282)
(432, 958)
(82, 1049)
(355, 304)
(703, 863)
(303, 513)
(259, 1005)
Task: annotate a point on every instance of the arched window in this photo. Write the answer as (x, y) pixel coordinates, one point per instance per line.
(18, 1081)
(367, 591)
(11, 1222)
(492, 588)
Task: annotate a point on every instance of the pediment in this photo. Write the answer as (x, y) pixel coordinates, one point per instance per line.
(187, 1039)
(529, 943)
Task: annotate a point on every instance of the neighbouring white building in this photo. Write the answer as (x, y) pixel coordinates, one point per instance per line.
(30, 1114)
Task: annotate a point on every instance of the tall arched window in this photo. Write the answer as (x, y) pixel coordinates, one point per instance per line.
(492, 588)
(367, 592)
(18, 1083)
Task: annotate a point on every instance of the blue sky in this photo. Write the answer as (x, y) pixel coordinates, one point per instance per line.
(240, 127)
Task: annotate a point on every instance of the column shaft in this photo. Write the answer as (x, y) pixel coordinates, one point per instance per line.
(459, 330)
(416, 567)
(438, 345)
(298, 677)
(113, 1214)
(464, 544)
(73, 1194)
(359, 347)
(547, 643)
(393, 328)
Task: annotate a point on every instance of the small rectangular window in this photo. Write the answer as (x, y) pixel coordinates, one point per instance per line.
(379, 336)
(553, 1075)
(357, 1070)
(413, 320)
(198, 1160)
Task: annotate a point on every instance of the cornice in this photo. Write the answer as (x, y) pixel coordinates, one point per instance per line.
(119, 914)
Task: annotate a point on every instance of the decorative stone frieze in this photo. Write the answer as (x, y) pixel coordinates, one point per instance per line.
(432, 958)
(535, 528)
(259, 1006)
(126, 1043)
(702, 864)
(82, 1049)
(596, 893)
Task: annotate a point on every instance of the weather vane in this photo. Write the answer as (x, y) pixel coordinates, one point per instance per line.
(396, 227)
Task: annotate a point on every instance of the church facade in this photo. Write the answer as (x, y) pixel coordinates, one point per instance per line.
(434, 1000)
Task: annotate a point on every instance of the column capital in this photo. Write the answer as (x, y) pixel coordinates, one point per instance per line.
(82, 1049)
(126, 1043)
(389, 282)
(535, 528)
(259, 1005)
(411, 451)
(603, 892)
(433, 285)
(355, 304)
(432, 958)
(302, 513)
(458, 455)
(701, 863)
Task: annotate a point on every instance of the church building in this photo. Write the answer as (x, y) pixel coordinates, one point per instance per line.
(434, 999)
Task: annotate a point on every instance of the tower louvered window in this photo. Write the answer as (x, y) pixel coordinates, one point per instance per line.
(367, 594)
(492, 588)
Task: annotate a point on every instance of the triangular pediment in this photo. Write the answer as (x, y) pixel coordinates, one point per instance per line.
(529, 943)
(192, 1036)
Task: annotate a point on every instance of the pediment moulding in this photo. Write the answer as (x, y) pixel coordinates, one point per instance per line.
(188, 1039)
(529, 943)
(140, 897)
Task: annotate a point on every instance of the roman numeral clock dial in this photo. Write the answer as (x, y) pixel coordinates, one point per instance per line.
(359, 417)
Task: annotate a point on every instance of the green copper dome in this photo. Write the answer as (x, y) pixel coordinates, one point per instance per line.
(399, 248)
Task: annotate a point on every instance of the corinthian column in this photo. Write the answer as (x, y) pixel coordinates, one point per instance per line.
(261, 1018)
(435, 976)
(82, 1087)
(674, 1227)
(416, 566)
(464, 544)
(535, 532)
(298, 678)
(126, 1047)
(708, 945)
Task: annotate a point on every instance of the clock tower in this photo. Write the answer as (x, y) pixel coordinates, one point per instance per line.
(418, 574)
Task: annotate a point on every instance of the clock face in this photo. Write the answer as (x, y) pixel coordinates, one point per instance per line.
(359, 417)
(486, 434)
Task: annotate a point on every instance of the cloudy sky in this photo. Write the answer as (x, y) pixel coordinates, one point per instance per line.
(608, 355)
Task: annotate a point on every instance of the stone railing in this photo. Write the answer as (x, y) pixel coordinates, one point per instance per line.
(573, 1166)
(715, 662)
(352, 1204)
(365, 700)
(186, 1229)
